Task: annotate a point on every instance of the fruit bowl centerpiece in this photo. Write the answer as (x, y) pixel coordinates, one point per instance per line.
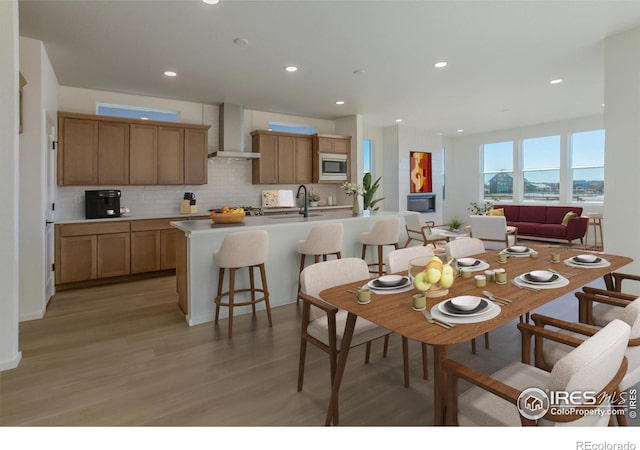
(228, 215)
(431, 276)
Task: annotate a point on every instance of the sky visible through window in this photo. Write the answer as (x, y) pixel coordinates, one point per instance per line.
(498, 157)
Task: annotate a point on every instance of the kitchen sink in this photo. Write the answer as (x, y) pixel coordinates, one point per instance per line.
(292, 216)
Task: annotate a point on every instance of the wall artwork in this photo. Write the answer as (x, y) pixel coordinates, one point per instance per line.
(421, 177)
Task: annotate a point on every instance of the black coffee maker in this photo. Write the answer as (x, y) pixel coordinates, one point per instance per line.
(102, 204)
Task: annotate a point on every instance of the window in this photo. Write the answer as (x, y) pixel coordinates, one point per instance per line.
(587, 166)
(290, 128)
(135, 112)
(367, 157)
(541, 168)
(498, 171)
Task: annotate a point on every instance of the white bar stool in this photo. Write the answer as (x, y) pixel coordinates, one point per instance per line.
(242, 249)
(323, 240)
(384, 232)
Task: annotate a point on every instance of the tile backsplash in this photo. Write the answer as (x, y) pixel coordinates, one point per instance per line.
(229, 184)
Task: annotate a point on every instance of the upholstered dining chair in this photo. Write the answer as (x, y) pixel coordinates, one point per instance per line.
(323, 324)
(463, 248)
(493, 231)
(422, 231)
(398, 261)
(629, 312)
(596, 364)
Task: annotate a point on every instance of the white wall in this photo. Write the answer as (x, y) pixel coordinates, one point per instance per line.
(464, 170)
(39, 98)
(622, 158)
(399, 141)
(229, 181)
(9, 260)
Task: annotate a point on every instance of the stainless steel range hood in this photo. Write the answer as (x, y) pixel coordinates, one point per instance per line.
(231, 134)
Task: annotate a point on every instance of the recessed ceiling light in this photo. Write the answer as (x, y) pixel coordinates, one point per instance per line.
(556, 81)
(440, 64)
(242, 42)
(603, 105)
(211, 2)
(398, 120)
(291, 68)
(170, 73)
(340, 102)
(460, 130)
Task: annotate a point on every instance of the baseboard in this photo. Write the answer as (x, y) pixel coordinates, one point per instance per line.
(32, 316)
(12, 363)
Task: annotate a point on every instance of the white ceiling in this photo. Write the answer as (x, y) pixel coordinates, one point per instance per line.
(501, 55)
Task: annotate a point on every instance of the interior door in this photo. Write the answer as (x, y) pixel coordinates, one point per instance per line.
(50, 287)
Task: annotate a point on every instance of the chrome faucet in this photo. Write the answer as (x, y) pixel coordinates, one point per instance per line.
(306, 205)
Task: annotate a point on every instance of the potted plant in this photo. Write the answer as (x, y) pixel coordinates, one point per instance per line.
(369, 191)
(455, 224)
(480, 209)
(313, 199)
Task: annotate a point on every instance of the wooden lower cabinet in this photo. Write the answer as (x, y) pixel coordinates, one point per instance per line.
(88, 251)
(145, 251)
(168, 242)
(76, 259)
(113, 254)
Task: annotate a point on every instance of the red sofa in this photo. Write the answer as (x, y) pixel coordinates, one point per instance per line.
(545, 222)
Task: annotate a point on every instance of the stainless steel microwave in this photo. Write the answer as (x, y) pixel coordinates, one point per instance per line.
(333, 167)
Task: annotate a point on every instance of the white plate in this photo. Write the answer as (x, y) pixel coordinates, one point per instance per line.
(443, 309)
(554, 280)
(372, 285)
(468, 262)
(391, 280)
(523, 252)
(595, 262)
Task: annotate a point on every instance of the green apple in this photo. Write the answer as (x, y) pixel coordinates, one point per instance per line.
(433, 275)
(447, 269)
(446, 280)
(420, 282)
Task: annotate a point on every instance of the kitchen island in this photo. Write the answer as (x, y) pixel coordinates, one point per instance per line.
(197, 274)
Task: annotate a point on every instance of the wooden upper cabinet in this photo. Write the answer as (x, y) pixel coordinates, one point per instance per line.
(78, 154)
(265, 168)
(102, 150)
(332, 144)
(170, 155)
(195, 156)
(143, 154)
(285, 158)
(304, 166)
(113, 153)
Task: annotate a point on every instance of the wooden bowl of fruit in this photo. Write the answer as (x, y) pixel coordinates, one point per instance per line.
(228, 215)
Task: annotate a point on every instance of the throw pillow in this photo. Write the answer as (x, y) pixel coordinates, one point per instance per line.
(567, 217)
(496, 212)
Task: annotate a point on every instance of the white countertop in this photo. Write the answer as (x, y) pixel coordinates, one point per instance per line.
(203, 213)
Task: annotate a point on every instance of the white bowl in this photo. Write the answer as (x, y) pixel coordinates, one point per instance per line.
(541, 275)
(465, 302)
(586, 258)
(518, 248)
(466, 262)
(390, 280)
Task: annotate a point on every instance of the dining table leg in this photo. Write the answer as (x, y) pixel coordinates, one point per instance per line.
(332, 410)
(439, 384)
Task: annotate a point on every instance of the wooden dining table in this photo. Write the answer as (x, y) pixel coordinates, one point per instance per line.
(394, 311)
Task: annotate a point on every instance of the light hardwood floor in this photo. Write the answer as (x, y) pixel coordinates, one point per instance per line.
(123, 355)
